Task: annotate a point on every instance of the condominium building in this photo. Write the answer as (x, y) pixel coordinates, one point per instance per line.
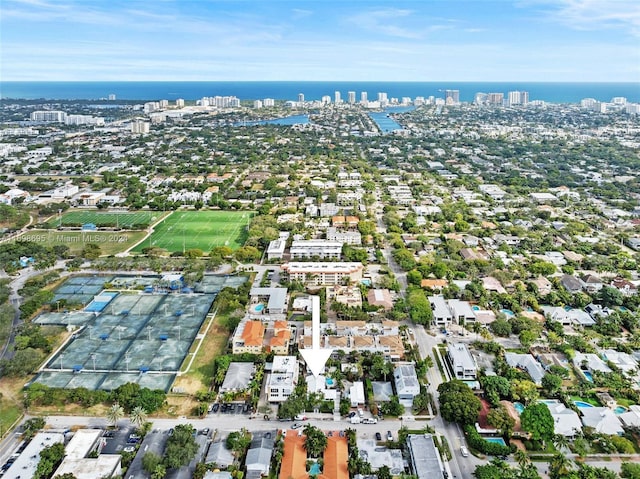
(352, 97)
(347, 237)
(316, 248)
(282, 379)
(248, 337)
(323, 273)
(45, 115)
(452, 97)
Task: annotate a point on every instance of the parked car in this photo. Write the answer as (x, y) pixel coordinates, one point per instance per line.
(205, 431)
(389, 436)
(301, 417)
(352, 413)
(129, 449)
(216, 406)
(296, 425)
(378, 436)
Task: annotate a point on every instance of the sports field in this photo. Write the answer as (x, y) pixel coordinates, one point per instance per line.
(110, 242)
(203, 230)
(112, 219)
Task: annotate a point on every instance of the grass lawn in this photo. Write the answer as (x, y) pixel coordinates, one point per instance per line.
(110, 242)
(9, 414)
(202, 230)
(121, 219)
(200, 375)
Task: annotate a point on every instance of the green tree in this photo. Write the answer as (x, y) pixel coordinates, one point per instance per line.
(50, 459)
(501, 419)
(115, 413)
(524, 391)
(458, 403)
(138, 416)
(238, 442)
(91, 251)
(537, 420)
(500, 327)
(419, 307)
(384, 472)
(315, 441)
(495, 388)
(630, 470)
(552, 384)
(181, 447)
(150, 462)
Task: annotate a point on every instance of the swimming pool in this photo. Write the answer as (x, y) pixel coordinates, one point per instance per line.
(620, 410)
(475, 307)
(497, 440)
(329, 382)
(258, 308)
(315, 469)
(588, 376)
(508, 312)
(582, 404)
(519, 407)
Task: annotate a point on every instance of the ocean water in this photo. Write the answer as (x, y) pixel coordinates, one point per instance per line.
(289, 90)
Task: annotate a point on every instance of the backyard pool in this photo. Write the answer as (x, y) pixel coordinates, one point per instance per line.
(258, 308)
(519, 407)
(508, 312)
(329, 382)
(620, 410)
(588, 376)
(475, 307)
(497, 440)
(582, 404)
(315, 469)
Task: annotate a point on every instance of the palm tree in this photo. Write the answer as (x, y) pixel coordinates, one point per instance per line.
(521, 458)
(559, 466)
(115, 413)
(138, 416)
(560, 442)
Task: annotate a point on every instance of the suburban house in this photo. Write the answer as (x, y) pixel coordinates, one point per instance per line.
(527, 363)
(380, 297)
(237, 377)
(602, 419)
(461, 311)
(441, 314)
(407, 385)
(627, 288)
(462, 362)
(566, 422)
(590, 362)
(258, 458)
(571, 283)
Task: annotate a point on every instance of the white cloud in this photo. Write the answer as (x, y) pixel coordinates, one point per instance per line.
(593, 14)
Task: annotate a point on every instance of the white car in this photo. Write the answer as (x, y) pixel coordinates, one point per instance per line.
(464, 451)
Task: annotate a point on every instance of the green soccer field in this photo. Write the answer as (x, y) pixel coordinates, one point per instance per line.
(203, 230)
(120, 219)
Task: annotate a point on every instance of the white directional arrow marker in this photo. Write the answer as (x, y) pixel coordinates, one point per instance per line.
(316, 357)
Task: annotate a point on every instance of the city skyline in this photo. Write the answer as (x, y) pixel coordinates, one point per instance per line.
(528, 40)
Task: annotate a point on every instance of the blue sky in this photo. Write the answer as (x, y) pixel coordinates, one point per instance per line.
(420, 40)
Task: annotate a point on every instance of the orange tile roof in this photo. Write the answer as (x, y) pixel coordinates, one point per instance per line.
(294, 458)
(280, 325)
(335, 458)
(253, 333)
(281, 338)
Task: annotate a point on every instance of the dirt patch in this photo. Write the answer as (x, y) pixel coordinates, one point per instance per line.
(180, 406)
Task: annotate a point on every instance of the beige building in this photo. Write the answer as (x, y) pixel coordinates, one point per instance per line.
(323, 273)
